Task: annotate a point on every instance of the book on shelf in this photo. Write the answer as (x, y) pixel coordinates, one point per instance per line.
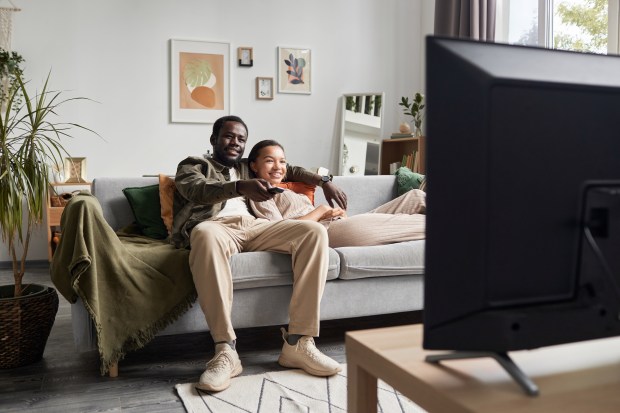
(411, 161)
(394, 167)
(397, 135)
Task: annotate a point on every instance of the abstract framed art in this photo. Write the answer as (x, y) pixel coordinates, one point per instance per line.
(294, 70)
(199, 81)
(75, 170)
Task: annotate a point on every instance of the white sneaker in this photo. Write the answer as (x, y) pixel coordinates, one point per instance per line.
(220, 369)
(304, 355)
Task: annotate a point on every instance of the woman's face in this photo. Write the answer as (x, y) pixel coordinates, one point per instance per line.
(270, 164)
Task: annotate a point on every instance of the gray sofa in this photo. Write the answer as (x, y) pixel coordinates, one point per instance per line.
(362, 281)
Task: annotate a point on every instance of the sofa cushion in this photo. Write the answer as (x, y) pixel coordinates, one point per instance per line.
(144, 202)
(300, 188)
(408, 180)
(166, 198)
(381, 260)
(263, 269)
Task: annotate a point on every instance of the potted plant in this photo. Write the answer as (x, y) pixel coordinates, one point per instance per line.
(414, 109)
(30, 141)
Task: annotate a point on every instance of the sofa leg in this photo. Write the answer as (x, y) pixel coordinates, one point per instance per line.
(113, 370)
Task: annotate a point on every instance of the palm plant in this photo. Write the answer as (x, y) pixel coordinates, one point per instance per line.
(30, 141)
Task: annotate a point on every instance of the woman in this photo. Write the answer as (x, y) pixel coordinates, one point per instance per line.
(399, 220)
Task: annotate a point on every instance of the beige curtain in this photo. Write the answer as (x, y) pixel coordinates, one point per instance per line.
(470, 19)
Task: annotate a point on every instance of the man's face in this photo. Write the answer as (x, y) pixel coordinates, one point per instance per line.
(229, 145)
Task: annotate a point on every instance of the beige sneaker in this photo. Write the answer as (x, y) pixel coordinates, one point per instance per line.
(304, 355)
(220, 369)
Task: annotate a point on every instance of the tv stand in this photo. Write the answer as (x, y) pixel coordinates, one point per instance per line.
(530, 388)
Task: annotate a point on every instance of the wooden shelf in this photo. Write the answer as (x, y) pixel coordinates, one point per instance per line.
(392, 150)
(53, 214)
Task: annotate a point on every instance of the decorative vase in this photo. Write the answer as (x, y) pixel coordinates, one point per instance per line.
(404, 128)
(26, 323)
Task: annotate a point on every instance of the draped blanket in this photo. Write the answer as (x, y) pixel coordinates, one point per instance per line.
(132, 286)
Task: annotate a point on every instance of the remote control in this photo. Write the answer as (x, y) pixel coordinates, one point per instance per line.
(275, 190)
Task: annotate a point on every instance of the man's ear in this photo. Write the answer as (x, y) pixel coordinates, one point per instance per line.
(213, 140)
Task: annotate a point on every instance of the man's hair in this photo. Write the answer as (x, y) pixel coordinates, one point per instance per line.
(221, 121)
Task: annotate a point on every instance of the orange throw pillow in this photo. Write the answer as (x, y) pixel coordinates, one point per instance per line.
(166, 198)
(300, 188)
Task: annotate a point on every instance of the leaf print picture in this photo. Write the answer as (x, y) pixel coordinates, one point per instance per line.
(200, 74)
(200, 79)
(294, 70)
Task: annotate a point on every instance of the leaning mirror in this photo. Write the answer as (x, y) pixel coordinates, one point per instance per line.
(360, 135)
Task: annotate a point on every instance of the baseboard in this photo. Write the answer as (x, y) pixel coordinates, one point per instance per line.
(7, 265)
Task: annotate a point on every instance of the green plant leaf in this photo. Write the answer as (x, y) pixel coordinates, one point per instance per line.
(30, 141)
(197, 72)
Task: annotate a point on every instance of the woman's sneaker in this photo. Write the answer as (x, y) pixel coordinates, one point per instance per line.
(304, 355)
(220, 369)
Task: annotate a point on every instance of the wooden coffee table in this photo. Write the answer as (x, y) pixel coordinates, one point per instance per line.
(576, 377)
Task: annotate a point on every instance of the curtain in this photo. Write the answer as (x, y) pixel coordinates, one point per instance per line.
(471, 19)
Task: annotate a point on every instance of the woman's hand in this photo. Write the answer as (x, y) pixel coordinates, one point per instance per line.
(331, 213)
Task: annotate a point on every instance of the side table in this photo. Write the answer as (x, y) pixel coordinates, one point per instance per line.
(575, 377)
(53, 213)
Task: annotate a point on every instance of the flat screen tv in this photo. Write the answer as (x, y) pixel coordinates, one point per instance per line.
(523, 196)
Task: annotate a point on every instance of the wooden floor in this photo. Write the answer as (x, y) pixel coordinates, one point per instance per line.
(68, 381)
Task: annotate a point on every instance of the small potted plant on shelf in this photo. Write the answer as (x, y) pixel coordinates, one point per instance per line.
(30, 141)
(415, 110)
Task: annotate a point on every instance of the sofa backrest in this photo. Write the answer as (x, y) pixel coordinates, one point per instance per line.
(363, 192)
(109, 192)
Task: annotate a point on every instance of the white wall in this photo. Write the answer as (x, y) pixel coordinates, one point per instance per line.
(117, 53)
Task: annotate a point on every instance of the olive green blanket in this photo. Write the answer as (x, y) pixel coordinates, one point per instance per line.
(132, 286)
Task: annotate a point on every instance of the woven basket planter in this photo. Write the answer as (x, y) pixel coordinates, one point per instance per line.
(25, 324)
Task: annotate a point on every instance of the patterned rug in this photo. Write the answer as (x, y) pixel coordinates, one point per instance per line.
(290, 391)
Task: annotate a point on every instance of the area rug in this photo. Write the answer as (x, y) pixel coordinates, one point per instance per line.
(290, 391)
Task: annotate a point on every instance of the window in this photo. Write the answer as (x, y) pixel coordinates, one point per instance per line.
(583, 25)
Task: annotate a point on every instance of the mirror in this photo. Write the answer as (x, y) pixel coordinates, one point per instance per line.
(360, 135)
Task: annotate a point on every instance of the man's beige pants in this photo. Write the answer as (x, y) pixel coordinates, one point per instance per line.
(214, 242)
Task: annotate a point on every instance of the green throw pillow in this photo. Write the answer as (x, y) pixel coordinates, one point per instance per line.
(146, 209)
(407, 180)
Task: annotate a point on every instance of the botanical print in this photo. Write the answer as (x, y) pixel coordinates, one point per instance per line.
(294, 70)
(199, 81)
(201, 78)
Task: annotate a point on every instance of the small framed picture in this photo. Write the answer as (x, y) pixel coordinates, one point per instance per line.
(75, 170)
(264, 88)
(294, 70)
(245, 56)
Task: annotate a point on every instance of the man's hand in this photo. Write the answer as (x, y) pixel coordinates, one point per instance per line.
(254, 189)
(333, 193)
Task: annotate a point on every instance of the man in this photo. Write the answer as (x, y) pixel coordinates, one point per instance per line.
(212, 217)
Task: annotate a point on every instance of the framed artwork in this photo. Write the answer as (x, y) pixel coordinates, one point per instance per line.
(264, 88)
(245, 55)
(75, 170)
(199, 81)
(294, 70)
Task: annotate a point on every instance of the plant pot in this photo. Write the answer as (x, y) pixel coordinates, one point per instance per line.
(25, 323)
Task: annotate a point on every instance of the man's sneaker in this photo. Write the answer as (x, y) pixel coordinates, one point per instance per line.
(304, 355)
(220, 369)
